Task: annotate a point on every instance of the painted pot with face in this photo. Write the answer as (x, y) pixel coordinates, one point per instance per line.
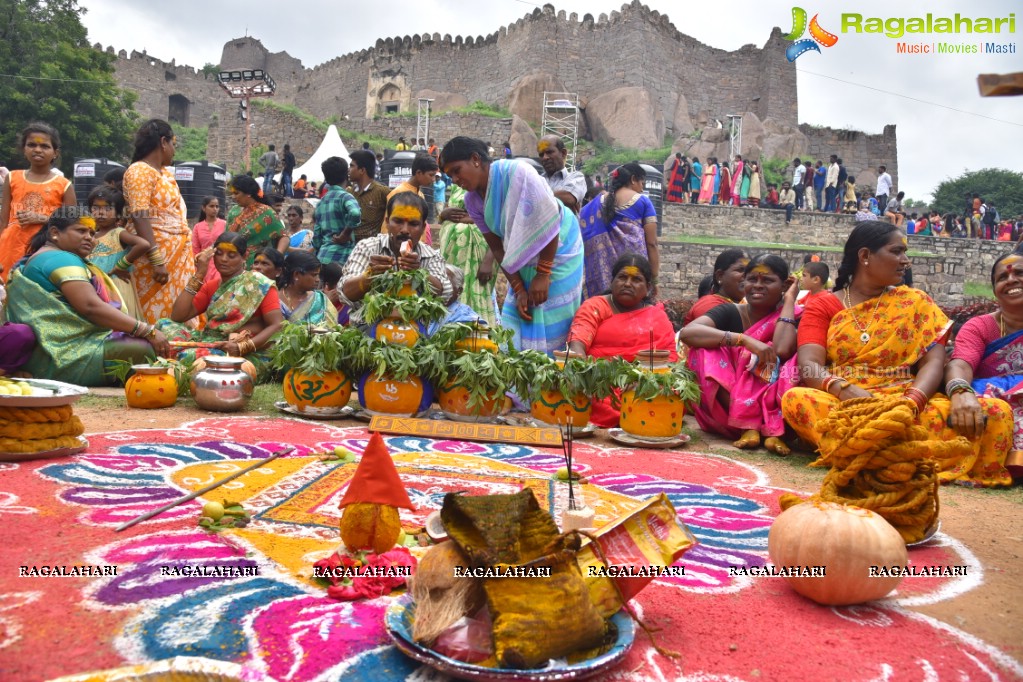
(151, 387)
(386, 395)
(397, 331)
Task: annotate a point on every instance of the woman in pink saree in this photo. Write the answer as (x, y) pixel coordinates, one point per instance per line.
(710, 172)
(621, 323)
(988, 358)
(744, 356)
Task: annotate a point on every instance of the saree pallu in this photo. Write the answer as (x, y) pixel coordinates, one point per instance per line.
(68, 346)
(259, 224)
(315, 309)
(754, 404)
(905, 326)
(737, 177)
(604, 244)
(520, 208)
(105, 254)
(708, 184)
(463, 245)
(724, 191)
(232, 306)
(156, 193)
(744, 189)
(607, 334)
(677, 185)
(999, 374)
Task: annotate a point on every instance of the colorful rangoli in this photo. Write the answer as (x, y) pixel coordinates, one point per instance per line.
(273, 621)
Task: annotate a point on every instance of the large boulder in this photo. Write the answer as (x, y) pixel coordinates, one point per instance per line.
(526, 97)
(523, 140)
(443, 101)
(626, 117)
(680, 121)
(785, 145)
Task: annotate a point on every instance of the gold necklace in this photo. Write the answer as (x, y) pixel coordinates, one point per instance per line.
(864, 335)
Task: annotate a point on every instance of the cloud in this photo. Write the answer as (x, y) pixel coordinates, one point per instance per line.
(860, 83)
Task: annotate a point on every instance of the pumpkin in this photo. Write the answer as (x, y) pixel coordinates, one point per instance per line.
(247, 367)
(454, 402)
(367, 525)
(847, 541)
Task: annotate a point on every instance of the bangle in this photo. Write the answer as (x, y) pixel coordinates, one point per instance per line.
(246, 346)
(917, 396)
(958, 386)
(517, 286)
(135, 331)
(156, 257)
(726, 340)
(738, 340)
(544, 267)
(151, 332)
(189, 290)
(790, 320)
(122, 264)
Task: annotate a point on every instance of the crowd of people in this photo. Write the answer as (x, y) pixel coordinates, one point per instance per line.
(124, 277)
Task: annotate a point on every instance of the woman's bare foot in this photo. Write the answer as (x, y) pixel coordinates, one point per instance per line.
(775, 445)
(750, 439)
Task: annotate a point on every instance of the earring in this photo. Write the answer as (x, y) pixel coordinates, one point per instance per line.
(864, 262)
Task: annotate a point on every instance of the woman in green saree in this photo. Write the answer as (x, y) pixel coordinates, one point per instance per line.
(242, 310)
(302, 300)
(74, 307)
(462, 245)
(252, 217)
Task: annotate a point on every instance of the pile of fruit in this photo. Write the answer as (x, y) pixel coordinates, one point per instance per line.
(224, 514)
(21, 388)
(25, 430)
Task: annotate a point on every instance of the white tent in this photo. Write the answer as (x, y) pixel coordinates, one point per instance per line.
(330, 146)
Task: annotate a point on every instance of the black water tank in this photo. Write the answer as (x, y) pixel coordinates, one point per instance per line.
(198, 179)
(653, 187)
(88, 175)
(396, 168)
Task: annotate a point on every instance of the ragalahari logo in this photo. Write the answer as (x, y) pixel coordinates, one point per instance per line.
(818, 36)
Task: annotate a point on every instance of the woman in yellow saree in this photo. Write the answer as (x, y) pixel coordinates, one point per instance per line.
(871, 337)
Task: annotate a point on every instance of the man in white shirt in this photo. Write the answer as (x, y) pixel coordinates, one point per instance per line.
(568, 186)
(831, 185)
(797, 181)
(884, 186)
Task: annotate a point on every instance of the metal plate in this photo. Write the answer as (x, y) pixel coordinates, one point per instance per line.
(45, 454)
(622, 438)
(62, 394)
(401, 615)
(345, 412)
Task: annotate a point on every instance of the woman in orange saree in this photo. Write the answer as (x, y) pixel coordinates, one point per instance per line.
(871, 337)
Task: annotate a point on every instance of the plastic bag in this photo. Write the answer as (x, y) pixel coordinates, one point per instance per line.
(468, 639)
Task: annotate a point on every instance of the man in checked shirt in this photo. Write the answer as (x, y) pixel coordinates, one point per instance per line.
(336, 216)
(400, 248)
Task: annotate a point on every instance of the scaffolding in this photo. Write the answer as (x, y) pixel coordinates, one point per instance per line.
(561, 118)
(423, 121)
(734, 136)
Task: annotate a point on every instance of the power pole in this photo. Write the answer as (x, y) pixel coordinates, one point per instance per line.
(245, 85)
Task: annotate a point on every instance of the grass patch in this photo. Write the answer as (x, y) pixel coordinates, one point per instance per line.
(604, 155)
(264, 397)
(719, 241)
(978, 290)
(294, 111)
(191, 144)
(100, 401)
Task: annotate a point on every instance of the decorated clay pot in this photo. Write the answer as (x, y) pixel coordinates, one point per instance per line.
(554, 408)
(659, 417)
(478, 340)
(151, 387)
(222, 386)
(454, 402)
(390, 396)
(406, 291)
(396, 331)
(656, 361)
(316, 392)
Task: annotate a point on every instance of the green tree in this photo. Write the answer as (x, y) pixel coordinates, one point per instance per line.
(210, 69)
(51, 74)
(1003, 188)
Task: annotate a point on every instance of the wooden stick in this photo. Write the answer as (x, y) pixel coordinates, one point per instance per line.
(191, 496)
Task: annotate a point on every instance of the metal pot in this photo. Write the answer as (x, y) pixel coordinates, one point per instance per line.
(222, 386)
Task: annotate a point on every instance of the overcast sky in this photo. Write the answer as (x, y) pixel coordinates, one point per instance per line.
(944, 126)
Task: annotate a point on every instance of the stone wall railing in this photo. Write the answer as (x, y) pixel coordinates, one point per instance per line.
(941, 266)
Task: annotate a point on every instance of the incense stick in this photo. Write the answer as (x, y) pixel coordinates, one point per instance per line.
(203, 491)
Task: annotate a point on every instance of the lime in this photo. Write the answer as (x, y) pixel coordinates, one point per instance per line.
(214, 510)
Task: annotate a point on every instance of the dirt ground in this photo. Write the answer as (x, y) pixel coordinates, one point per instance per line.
(984, 521)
